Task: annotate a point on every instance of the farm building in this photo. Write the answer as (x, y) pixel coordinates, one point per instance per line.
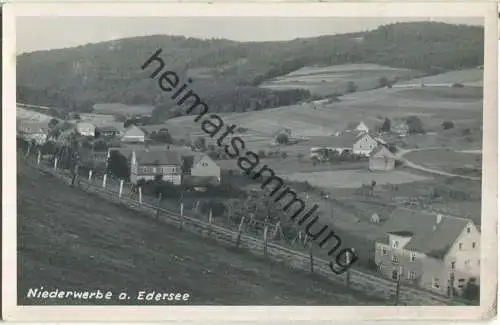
(433, 251)
(357, 127)
(147, 165)
(109, 131)
(85, 128)
(200, 165)
(362, 144)
(401, 129)
(133, 134)
(32, 130)
(381, 159)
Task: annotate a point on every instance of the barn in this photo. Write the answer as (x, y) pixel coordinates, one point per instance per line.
(381, 159)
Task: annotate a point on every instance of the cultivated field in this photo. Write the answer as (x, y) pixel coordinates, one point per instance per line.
(469, 77)
(26, 114)
(68, 239)
(353, 178)
(117, 108)
(333, 79)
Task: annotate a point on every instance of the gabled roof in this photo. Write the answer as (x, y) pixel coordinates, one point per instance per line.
(108, 128)
(381, 152)
(428, 236)
(84, 125)
(34, 126)
(163, 157)
(344, 140)
(133, 130)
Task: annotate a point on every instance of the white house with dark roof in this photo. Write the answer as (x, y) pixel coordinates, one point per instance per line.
(434, 251)
(133, 134)
(360, 144)
(85, 128)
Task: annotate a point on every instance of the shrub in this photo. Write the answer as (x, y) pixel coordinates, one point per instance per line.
(351, 87)
(448, 125)
(282, 138)
(414, 125)
(386, 127)
(261, 153)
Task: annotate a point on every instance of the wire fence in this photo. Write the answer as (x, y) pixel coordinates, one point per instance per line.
(237, 232)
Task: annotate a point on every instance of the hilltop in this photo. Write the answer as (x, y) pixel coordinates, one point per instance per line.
(228, 73)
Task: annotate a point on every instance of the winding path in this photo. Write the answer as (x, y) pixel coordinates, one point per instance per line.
(402, 152)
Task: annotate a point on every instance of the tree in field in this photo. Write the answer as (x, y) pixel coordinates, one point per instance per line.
(386, 126)
(282, 138)
(53, 122)
(448, 125)
(200, 143)
(118, 165)
(384, 82)
(414, 125)
(351, 87)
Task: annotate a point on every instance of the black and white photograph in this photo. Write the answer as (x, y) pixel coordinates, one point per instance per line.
(252, 160)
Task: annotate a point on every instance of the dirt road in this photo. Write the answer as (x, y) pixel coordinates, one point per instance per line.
(71, 240)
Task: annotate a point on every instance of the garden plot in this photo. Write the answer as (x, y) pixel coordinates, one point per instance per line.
(353, 178)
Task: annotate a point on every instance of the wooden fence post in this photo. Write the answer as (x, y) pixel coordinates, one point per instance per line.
(398, 286)
(121, 189)
(210, 220)
(265, 240)
(311, 258)
(140, 194)
(90, 177)
(240, 229)
(182, 216)
(347, 272)
(104, 180)
(38, 158)
(28, 152)
(158, 206)
(55, 163)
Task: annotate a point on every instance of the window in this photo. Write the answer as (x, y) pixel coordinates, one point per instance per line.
(413, 256)
(460, 246)
(395, 244)
(453, 265)
(395, 275)
(385, 251)
(473, 244)
(412, 275)
(468, 230)
(395, 258)
(435, 283)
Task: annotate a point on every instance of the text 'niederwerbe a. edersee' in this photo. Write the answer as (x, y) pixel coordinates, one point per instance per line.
(248, 161)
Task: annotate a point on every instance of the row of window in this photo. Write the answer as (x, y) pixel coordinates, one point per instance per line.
(461, 245)
(395, 258)
(162, 170)
(412, 275)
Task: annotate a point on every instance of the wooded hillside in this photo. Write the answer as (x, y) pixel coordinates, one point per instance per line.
(227, 73)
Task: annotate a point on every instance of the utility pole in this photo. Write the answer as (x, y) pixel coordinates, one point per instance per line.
(398, 285)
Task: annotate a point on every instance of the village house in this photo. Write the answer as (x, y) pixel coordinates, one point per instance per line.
(203, 166)
(148, 165)
(108, 131)
(133, 134)
(85, 128)
(357, 128)
(33, 131)
(381, 159)
(401, 129)
(433, 251)
(359, 144)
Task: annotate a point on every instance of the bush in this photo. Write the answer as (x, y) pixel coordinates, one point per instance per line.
(351, 87)
(415, 125)
(386, 127)
(448, 125)
(261, 153)
(282, 138)
(284, 155)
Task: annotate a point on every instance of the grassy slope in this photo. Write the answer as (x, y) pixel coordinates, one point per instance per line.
(67, 239)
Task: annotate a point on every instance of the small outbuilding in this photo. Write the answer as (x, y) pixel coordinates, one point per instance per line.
(381, 159)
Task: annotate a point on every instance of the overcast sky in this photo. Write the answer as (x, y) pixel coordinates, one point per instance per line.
(42, 33)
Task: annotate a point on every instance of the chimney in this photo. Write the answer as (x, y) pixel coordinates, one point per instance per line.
(439, 217)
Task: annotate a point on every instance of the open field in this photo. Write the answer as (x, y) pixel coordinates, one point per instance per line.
(334, 79)
(469, 77)
(26, 114)
(68, 239)
(117, 108)
(431, 105)
(445, 160)
(353, 178)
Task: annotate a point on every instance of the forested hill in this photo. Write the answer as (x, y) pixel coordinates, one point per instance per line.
(224, 70)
